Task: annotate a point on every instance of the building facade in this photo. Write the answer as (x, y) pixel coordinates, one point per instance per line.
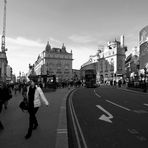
(8, 73)
(143, 45)
(110, 63)
(75, 74)
(3, 66)
(54, 61)
(132, 66)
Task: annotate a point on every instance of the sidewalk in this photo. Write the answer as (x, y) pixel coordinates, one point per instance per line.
(52, 130)
(132, 89)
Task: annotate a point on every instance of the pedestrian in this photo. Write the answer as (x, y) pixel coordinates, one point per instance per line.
(1, 103)
(34, 96)
(7, 94)
(24, 91)
(15, 88)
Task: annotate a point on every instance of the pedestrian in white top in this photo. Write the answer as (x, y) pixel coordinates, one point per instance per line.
(35, 96)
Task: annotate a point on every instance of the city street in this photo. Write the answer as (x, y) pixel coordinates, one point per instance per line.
(108, 117)
(90, 58)
(51, 132)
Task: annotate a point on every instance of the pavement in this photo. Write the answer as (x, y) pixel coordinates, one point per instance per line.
(132, 89)
(52, 130)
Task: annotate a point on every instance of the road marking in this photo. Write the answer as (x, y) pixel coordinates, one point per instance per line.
(140, 111)
(133, 131)
(76, 123)
(141, 138)
(104, 117)
(96, 94)
(119, 105)
(145, 104)
(137, 134)
(62, 131)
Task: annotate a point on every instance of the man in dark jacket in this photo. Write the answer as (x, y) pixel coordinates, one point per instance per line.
(1, 102)
(6, 94)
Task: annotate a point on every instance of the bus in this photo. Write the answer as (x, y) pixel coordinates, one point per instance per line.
(90, 78)
(49, 81)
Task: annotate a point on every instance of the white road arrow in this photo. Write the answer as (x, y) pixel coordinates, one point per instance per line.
(104, 117)
(145, 104)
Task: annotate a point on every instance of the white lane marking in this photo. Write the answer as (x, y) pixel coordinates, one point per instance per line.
(119, 105)
(62, 131)
(137, 135)
(145, 104)
(141, 138)
(133, 131)
(104, 117)
(76, 123)
(96, 94)
(140, 111)
(73, 120)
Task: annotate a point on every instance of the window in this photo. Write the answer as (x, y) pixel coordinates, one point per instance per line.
(106, 66)
(112, 65)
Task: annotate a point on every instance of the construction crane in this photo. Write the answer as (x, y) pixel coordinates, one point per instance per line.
(3, 48)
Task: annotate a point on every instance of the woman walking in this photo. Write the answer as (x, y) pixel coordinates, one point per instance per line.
(34, 96)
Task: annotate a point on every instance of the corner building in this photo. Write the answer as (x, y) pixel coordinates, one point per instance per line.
(3, 66)
(111, 61)
(143, 45)
(54, 61)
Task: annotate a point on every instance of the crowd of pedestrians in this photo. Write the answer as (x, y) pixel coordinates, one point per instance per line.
(31, 93)
(115, 83)
(5, 96)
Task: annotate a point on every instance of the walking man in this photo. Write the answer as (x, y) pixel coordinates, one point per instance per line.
(34, 97)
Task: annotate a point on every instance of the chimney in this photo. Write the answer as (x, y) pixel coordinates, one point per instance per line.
(122, 40)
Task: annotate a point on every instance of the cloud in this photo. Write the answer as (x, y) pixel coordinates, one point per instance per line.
(82, 38)
(54, 41)
(81, 54)
(20, 41)
(21, 52)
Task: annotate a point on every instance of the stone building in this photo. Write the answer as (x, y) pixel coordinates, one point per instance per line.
(143, 45)
(3, 65)
(110, 64)
(8, 73)
(132, 66)
(54, 61)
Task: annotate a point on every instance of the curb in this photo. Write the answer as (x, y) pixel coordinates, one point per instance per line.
(62, 131)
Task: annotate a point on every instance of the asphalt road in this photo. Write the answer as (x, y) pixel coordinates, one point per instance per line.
(50, 132)
(108, 117)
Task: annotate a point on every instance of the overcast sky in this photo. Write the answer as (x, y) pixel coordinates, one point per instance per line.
(82, 25)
